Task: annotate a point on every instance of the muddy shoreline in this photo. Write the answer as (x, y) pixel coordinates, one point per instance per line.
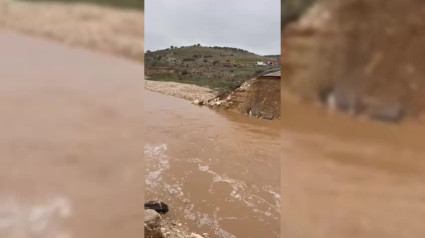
(244, 100)
(181, 90)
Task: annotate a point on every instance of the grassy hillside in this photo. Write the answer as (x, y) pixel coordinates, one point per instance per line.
(131, 4)
(204, 66)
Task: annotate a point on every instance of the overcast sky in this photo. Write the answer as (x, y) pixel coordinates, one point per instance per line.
(253, 25)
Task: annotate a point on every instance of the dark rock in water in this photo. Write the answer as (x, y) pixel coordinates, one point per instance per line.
(159, 207)
(388, 113)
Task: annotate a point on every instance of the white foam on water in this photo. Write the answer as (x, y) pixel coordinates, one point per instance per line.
(36, 220)
(203, 168)
(276, 196)
(158, 163)
(212, 222)
(159, 182)
(241, 192)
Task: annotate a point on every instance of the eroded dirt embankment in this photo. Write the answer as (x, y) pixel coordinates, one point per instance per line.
(360, 56)
(258, 97)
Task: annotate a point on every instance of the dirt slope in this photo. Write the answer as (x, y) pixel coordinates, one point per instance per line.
(369, 54)
(259, 97)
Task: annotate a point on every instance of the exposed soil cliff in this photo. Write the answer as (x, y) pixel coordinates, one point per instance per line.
(359, 56)
(259, 97)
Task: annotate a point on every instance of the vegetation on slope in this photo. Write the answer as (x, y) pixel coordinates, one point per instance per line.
(129, 4)
(205, 66)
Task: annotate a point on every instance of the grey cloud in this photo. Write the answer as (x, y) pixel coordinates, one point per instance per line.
(253, 25)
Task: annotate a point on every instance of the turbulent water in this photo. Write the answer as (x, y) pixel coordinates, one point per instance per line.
(218, 171)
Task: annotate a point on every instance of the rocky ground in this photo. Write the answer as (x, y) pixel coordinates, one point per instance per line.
(159, 226)
(78, 24)
(181, 90)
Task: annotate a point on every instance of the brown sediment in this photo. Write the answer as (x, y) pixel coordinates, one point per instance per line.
(223, 184)
(350, 177)
(71, 142)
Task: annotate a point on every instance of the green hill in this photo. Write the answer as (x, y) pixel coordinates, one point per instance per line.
(205, 66)
(129, 4)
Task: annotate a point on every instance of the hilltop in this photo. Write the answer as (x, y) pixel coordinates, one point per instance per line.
(124, 4)
(204, 66)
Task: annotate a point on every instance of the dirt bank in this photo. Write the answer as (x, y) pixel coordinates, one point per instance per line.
(259, 97)
(256, 97)
(78, 24)
(362, 56)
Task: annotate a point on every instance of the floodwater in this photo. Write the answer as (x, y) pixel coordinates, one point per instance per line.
(218, 171)
(351, 177)
(71, 148)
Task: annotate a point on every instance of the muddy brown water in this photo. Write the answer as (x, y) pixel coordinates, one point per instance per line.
(218, 171)
(71, 142)
(351, 177)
